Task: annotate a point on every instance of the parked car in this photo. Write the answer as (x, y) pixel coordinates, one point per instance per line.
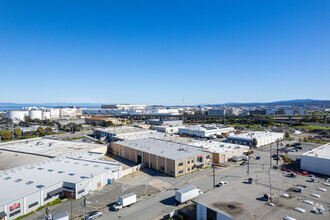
(304, 173)
(297, 144)
(257, 158)
(94, 215)
(243, 163)
(222, 183)
(283, 169)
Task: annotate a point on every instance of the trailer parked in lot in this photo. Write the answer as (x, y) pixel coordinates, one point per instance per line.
(187, 193)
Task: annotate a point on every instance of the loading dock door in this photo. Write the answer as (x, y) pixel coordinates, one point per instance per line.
(139, 159)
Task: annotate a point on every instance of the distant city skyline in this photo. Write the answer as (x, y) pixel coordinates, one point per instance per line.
(163, 52)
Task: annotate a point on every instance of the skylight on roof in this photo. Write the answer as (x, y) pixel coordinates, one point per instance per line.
(72, 174)
(7, 178)
(61, 171)
(40, 186)
(18, 180)
(29, 182)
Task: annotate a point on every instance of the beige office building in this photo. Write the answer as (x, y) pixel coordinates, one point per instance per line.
(173, 158)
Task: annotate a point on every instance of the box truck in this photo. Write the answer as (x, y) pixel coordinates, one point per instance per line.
(125, 200)
(187, 193)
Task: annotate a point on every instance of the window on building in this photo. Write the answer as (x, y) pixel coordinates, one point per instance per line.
(188, 161)
(181, 164)
(14, 213)
(33, 204)
(180, 171)
(199, 159)
(188, 168)
(207, 156)
(81, 191)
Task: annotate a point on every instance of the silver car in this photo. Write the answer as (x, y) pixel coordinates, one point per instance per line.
(94, 215)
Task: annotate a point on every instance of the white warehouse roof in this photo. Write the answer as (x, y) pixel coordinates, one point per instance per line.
(219, 147)
(28, 179)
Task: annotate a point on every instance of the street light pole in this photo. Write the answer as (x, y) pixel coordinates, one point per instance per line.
(277, 157)
(213, 165)
(84, 205)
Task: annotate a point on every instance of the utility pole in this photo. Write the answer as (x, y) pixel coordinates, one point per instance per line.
(277, 157)
(270, 185)
(213, 165)
(84, 205)
(248, 166)
(71, 205)
(270, 156)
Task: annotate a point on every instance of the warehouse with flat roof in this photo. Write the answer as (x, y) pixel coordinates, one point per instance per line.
(24, 189)
(222, 152)
(317, 160)
(205, 131)
(262, 137)
(123, 133)
(166, 156)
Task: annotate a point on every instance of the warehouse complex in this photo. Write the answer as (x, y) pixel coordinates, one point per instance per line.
(166, 156)
(25, 188)
(317, 160)
(205, 130)
(262, 137)
(222, 152)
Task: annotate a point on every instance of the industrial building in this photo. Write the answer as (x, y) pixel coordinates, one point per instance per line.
(124, 133)
(262, 137)
(102, 120)
(166, 156)
(50, 148)
(24, 189)
(222, 152)
(317, 160)
(241, 201)
(163, 122)
(205, 131)
(125, 107)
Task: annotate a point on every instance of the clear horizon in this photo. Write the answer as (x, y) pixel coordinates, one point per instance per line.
(163, 52)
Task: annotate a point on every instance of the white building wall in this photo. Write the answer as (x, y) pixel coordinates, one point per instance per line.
(35, 114)
(315, 164)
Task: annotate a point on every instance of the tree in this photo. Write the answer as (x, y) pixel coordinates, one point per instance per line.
(254, 142)
(5, 134)
(287, 135)
(108, 123)
(48, 131)
(17, 132)
(41, 131)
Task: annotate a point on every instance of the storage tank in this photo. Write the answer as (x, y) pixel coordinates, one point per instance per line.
(35, 114)
(45, 115)
(16, 115)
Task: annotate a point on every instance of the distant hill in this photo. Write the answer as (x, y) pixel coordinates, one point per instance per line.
(295, 102)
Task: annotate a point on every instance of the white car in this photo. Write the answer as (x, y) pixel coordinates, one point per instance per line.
(94, 215)
(221, 183)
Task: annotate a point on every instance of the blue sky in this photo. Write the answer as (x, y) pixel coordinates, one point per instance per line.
(160, 52)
